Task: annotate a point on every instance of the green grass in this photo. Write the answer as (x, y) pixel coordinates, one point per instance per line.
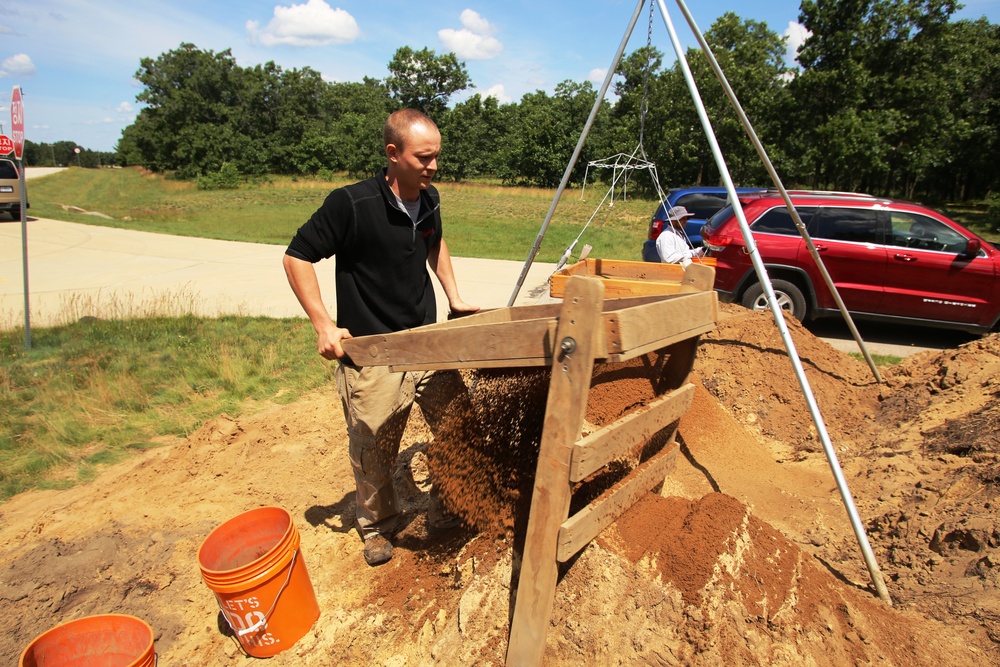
(879, 359)
(480, 220)
(87, 394)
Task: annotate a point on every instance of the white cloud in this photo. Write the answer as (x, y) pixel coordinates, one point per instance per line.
(17, 65)
(6, 30)
(474, 21)
(124, 107)
(312, 24)
(498, 92)
(475, 41)
(795, 36)
(597, 75)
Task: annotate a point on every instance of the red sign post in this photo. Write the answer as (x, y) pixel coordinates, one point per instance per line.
(17, 130)
(17, 121)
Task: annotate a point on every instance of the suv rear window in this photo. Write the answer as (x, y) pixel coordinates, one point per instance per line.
(702, 205)
(845, 224)
(7, 169)
(719, 218)
(779, 220)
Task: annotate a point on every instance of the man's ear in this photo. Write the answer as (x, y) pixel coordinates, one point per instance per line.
(391, 152)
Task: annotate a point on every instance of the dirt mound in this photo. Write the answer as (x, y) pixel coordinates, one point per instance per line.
(932, 483)
(751, 596)
(744, 364)
(745, 557)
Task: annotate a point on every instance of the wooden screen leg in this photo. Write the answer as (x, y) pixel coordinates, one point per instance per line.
(577, 335)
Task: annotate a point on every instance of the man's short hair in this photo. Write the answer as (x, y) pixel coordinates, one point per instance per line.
(398, 124)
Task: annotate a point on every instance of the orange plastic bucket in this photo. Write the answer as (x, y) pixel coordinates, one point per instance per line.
(110, 640)
(255, 567)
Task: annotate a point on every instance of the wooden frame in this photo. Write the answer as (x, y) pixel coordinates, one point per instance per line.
(623, 278)
(571, 338)
(526, 336)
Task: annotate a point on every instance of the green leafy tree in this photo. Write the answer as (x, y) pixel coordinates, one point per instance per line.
(472, 135)
(872, 107)
(426, 81)
(966, 164)
(359, 110)
(544, 131)
(63, 153)
(191, 97)
(751, 56)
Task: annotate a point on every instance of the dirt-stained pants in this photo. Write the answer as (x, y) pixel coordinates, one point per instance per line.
(377, 404)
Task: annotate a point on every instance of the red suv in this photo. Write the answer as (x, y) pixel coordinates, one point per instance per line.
(891, 261)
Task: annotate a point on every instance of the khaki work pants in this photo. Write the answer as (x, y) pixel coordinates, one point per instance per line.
(377, 404)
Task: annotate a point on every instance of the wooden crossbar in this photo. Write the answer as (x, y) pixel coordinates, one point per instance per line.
(576, 532)
(524, 337)
(593, 452)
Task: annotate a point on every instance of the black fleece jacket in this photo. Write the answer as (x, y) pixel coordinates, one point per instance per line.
(381, 275)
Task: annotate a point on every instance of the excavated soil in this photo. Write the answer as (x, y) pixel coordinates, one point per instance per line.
(745, 556)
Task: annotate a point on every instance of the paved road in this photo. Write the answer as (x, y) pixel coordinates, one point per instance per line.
(895, 340)
(77, 270)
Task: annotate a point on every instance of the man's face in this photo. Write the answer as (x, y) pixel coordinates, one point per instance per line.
(416, 160)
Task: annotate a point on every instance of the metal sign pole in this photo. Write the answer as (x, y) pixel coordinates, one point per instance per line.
(17, 132)
(24, 254)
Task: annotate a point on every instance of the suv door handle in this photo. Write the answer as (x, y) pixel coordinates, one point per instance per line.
(904, 258)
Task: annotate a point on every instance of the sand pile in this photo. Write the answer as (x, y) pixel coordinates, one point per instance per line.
(745, 557)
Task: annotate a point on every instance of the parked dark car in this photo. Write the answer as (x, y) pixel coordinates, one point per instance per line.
(10, 189)
(702, 201)
(890, 260)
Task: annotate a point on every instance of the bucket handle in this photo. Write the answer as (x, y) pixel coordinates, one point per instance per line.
(263, 620)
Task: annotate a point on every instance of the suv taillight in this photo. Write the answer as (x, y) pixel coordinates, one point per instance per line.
(655, 227)
(713, 241)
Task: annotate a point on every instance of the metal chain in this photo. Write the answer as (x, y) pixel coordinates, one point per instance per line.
(644, 104)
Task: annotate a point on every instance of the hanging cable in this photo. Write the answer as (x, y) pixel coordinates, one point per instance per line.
(644, 103)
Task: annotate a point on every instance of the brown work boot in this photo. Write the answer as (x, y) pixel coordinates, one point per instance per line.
(378, 549)
(439, 519)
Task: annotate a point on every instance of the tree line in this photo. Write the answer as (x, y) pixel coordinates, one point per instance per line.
(65, 154)
(892, 97)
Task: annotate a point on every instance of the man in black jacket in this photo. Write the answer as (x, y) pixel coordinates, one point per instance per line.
(385, 231)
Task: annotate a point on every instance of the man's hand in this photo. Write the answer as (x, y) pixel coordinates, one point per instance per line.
(328, 343)
(458, 308)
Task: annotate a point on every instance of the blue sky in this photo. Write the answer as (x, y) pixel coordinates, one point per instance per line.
(75, 59)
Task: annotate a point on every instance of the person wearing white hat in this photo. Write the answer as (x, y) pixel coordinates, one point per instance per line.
(672, 245)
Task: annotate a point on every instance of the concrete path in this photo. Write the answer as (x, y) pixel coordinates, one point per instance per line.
(76, 270)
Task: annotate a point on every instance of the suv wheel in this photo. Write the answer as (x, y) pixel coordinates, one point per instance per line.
(15, 214)
(790, 298)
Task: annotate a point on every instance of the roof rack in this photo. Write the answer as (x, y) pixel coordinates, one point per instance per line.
(826, 193)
